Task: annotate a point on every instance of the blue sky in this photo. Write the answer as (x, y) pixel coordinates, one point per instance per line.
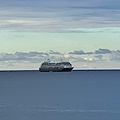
(63, 26)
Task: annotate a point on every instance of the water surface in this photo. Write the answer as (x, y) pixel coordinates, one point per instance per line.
(76, 95)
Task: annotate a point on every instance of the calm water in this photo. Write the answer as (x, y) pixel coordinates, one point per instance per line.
(76, 95)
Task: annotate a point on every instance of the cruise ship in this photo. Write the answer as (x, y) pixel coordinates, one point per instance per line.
(56, 67)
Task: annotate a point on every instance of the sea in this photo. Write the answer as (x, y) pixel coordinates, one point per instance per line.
(76, 95)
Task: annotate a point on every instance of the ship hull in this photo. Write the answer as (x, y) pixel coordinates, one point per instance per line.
(66, 69)
(56, 70)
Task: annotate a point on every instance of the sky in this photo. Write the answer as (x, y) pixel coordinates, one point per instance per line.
(32, 31)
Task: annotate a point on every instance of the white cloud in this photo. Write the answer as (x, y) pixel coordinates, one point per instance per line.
(99, 51)
(115, 56)
(103, 58)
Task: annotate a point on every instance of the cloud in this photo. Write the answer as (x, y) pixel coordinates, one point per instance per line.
(115, 56)
(102, 51)
(101, 58)
(59, 16)
(53, 52)
(38, 56)
(96, 30)
(80, 52)
(34, 56)
(18, 56)
(99, 51)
